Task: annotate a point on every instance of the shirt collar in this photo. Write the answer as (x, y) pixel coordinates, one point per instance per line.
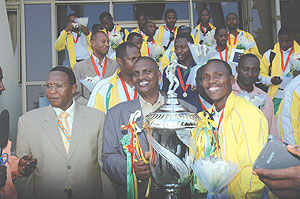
(70, 110)
(160, 100)
(97, 60)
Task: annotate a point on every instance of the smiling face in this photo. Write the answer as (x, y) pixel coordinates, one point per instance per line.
(182, 49)
(216, 81)
(100, 45)
(145, 77)
(60, 97)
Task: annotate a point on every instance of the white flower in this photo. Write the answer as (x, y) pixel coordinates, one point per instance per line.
(156, 51)
(115, 39)
(209, 38)
(214, 174)
(82, 21)
(257, 100)
(245, 43)
(201, 54)
(295, 60)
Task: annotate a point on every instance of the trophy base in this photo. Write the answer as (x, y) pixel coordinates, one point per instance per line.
(171, 193)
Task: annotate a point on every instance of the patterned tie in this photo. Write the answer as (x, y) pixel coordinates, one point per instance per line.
(65, 123)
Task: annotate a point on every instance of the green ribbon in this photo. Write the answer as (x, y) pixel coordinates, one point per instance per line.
(125, 141)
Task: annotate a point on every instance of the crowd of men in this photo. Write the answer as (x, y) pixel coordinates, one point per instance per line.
(72, 148)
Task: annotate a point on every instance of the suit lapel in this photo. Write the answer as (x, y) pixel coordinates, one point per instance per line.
(91, 70)
(109, 68)
(79, 126)
(52, 130)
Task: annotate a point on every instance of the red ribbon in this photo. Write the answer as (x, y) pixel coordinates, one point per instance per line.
(283, 66)
(235, 38)
(126, 90)
(103, 68)
(76, 38)
(184, 88)
(226, 53)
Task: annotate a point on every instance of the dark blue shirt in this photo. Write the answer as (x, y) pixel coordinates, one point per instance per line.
(192, 95)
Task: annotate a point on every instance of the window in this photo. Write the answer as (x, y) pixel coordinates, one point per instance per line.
(218, 10)
(38, 41)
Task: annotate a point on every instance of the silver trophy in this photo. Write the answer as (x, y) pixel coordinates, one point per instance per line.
(168, 131)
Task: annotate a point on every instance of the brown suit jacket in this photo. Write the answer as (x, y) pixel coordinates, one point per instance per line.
(39, 135)
(85, 69)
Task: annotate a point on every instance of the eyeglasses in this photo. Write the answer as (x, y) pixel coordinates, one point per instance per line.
(58, 87)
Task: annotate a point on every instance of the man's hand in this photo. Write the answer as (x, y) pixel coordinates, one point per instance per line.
(69, 28)
(2, 175)
(84, 29)
(26, 165)
(142, 170)
(276, 80)
(285, 183)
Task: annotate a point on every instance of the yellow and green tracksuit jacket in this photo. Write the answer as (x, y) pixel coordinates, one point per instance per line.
(288, 113)
(243, 133)
(268, 72)
(65, 40)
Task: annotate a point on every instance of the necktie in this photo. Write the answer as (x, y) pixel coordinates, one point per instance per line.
(65, 134)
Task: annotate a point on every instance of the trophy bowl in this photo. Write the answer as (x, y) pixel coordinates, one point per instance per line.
(168, 131)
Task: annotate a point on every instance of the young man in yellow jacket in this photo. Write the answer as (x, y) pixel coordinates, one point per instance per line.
(142, 20)
(117, 88)
(235, 34)
(276, 67)
(166, 34)
(288, 121)
(110, 29)
(203, 27)
(242, 128)
(76, 38)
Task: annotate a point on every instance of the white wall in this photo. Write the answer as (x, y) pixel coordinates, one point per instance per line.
(11, 97)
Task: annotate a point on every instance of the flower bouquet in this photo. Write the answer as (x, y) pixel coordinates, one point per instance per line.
(244, 43)
(295, 61)
(156, 51)
(209, 38)
(214, 174)
(82, 21)
(201, 54)
(257, 100)
(90, 82)
(115, 39)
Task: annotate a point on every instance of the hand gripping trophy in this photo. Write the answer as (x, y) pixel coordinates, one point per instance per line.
(168, 131)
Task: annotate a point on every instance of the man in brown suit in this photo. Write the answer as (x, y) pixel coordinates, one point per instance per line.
(97, 65)
(66, 139)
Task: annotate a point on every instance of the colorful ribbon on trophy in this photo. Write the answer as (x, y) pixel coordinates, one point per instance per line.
(206, 140)
(134, 152)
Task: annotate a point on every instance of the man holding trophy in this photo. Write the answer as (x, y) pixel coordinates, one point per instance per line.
(145, 77)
